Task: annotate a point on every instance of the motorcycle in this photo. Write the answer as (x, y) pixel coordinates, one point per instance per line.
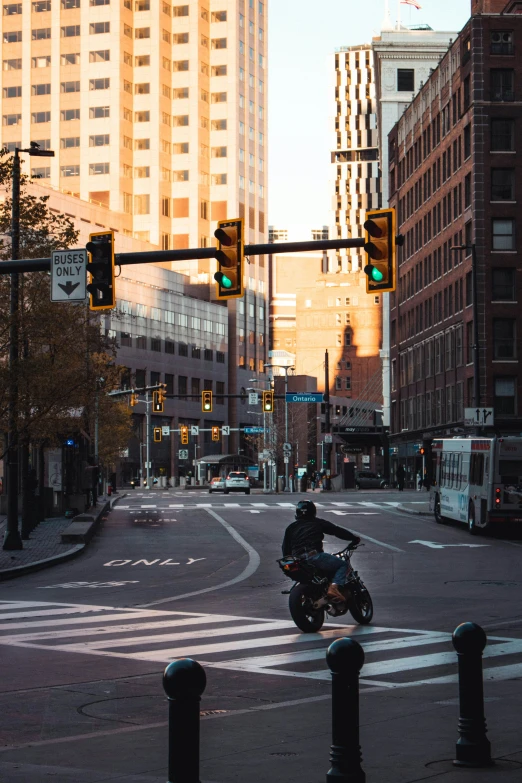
(308, 600)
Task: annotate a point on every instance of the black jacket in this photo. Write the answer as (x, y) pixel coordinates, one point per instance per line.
(305, 535)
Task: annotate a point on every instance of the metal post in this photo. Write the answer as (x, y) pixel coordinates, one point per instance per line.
(184, 681)
(345, 658)
(148, 424)
(473, 748)
(327, 424)
(12, 538)
(287, 488)
(97, 439)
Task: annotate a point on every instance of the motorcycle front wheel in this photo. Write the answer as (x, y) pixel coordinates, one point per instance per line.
(307, 619)
(361, 606)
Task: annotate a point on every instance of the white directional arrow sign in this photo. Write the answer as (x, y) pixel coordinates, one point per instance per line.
(434, 545)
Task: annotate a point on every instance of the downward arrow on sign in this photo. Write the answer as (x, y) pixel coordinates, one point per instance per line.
(434, 545)
(68, 287)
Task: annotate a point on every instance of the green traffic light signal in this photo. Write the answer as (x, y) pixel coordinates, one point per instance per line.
(223, 280)
(376, 275)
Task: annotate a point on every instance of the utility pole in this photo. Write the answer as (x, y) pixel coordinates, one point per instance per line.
(148, 403)
(327, 405)
(12, 538)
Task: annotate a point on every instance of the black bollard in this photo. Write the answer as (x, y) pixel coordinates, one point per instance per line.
(345, 658)
(473, 748)
(184, 681)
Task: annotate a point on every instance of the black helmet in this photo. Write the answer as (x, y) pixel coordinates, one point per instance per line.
(305, 509)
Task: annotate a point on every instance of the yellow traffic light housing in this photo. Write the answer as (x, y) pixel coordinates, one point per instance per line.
(133, 400)
(215, 433)
(162, 394)
(100, 267)
(268, 401)
(230, 254)
(157, 402)
(157, 434)
(206, 401)
(381, 241)
(184, 434)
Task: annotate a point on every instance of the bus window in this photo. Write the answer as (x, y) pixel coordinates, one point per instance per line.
(510, 471)
(477, 469)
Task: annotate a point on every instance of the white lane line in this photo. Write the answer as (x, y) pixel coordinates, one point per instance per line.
(260, 505)
(149, 506)
(171, 653)
(130, 628)
(253, 564)
(109, 644)
(376, 541)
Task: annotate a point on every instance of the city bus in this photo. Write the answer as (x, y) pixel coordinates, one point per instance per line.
(477, 481)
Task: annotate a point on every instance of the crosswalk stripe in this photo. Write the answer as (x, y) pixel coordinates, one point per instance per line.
(252, 645)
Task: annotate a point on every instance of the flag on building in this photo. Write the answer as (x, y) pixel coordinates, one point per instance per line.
(411, 2)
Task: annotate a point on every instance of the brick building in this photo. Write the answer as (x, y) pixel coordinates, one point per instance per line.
(454, 179)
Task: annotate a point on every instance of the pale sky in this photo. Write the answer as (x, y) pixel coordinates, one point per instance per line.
(303, 36)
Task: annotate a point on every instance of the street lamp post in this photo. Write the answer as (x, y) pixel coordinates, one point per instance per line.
(12, 538)
(286, 369)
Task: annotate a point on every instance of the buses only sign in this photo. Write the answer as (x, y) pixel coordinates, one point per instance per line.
(68, 275)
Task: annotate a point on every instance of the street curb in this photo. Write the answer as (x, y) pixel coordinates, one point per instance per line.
(38, 565)
(414, 511)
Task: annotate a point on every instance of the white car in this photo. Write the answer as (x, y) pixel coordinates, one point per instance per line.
(217, 485)
(237, 482)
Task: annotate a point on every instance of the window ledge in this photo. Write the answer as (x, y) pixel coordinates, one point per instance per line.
(513, 252)
(503, 201)
(505, 361)
(502, 152)
(504, 301)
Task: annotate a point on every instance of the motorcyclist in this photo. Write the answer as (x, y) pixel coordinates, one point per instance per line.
(304, 538)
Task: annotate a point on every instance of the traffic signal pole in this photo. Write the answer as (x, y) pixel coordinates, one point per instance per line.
(148, 404)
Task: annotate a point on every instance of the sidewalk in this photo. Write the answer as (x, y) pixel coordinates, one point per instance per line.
(45, 547)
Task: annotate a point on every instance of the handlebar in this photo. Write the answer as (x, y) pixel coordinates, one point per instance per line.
(349, 549)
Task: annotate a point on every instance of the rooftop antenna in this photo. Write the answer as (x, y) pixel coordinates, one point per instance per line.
(387, 22)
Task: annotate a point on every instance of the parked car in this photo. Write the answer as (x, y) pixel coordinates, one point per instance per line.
(366, 479)
(217, 484)
(237, 481)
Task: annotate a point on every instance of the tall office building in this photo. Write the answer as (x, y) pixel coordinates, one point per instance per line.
(356, 153)
(156, 110)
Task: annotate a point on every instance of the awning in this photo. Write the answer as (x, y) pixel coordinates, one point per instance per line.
(224, 459)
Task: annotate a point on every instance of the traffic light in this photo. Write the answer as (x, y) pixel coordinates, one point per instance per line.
(206, 401)
(215, 433)
(381, 241)
(422, 451)
(230, 252)
(157, 402)
(133, 400)
(101, 269)
(268, 401)
(184, 434)
(157, 434)
(162, 394)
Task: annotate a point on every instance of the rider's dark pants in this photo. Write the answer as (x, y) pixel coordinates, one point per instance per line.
(335, 568)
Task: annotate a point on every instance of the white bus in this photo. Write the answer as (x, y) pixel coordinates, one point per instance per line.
(477, 481)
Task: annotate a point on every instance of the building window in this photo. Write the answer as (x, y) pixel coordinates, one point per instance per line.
(41, 172)
(502, 184)
(99, 84)
(180, 10)
(155, 344)
(99, 112)
(69, 171)
(170, 348)
(42, 34)
(13, 8)
(503, 285)
(39, 116)
(220, 357)
(503, 234)
(70, 31)
(98, 28)
(195, 387)
(502, 84)
(467, 141)
(142, 32)
(505, 396)
(73, 58)
(467, 190)
(182, 384)
(502, 42)
(69, 141)
(502, 135)
(504, 338)
(219, 43)
(405, 79)
(142, 204)
(99, 168)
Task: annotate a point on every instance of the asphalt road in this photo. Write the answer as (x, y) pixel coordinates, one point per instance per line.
(178, 574)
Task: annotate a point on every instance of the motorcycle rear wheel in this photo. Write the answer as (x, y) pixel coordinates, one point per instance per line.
(307, 619)
(361, 606)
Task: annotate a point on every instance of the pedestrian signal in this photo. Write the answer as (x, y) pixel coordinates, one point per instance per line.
(184, 434)
(157, 402)
(100, 267)
(268, 401)
(206, 401)
(157, 434)
(229, 255)
(215, 433)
